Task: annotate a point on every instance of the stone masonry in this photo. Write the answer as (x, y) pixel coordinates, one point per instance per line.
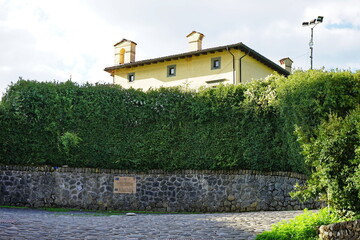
(183, 191)
(340, 231)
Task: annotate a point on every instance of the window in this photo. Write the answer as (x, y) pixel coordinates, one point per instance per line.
(215, 63)
(131, 77)
(171, 70)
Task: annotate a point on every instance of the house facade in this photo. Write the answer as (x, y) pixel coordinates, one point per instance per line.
(230, 64)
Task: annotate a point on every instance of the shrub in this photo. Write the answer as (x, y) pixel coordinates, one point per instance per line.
(334, 155)
(307, 98)
(302, 227)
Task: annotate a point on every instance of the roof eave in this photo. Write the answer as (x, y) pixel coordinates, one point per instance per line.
(239, 46)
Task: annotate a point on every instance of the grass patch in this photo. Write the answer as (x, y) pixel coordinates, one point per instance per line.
(302, 227)
(85, 212)
(61, 209)
(13, 207)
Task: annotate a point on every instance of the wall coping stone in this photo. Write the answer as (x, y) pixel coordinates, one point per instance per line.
(47, 168)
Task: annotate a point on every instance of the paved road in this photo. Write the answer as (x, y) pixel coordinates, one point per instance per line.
(38, 224)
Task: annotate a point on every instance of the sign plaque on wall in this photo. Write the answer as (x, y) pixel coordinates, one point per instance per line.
(124, 184)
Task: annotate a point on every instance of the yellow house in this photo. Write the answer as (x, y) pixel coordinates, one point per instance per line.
(230, 64)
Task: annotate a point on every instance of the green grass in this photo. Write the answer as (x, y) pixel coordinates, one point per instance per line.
(302, 227)
(13, 207)
(84, 212)
(61, 209)
(47, 209)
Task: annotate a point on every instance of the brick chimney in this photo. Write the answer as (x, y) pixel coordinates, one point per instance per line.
(195, 41)
(286, 63)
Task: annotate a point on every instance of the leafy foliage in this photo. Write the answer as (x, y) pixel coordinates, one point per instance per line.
(334, 156)
(231, 127)
(302, 227)
(316, 106)
(307, 98)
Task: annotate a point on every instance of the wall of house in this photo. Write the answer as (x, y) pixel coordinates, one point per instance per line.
(193, 72)
(254, 70)
(183, 191)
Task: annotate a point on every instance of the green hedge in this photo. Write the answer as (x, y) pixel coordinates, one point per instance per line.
(231, 127)
(307, 98)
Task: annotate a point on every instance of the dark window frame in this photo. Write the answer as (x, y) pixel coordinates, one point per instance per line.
(215, 63)
(169, 72)
(131, 77)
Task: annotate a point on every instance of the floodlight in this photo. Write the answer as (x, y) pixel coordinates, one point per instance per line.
(320, 19)
(312, 24)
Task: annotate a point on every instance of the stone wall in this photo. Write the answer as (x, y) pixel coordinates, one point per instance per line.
(183, 191)
(341, 231)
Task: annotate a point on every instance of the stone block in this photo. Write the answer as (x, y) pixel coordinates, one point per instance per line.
(231, 198)
(227, 203)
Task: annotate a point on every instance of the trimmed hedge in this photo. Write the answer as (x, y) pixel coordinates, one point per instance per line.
(232, 127)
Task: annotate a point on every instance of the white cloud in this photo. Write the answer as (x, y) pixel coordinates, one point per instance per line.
(5, 68)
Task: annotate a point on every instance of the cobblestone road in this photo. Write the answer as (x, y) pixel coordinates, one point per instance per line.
(38, 224)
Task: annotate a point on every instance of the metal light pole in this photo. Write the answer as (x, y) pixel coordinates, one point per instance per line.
(312, 24)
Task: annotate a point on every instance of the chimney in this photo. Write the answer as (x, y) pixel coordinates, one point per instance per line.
(195, 41)
(124, 51)
(286, 63)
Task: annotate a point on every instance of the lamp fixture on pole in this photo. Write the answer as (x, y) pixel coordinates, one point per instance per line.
(312, 24)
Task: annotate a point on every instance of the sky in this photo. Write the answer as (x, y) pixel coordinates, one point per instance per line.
(59, 40)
